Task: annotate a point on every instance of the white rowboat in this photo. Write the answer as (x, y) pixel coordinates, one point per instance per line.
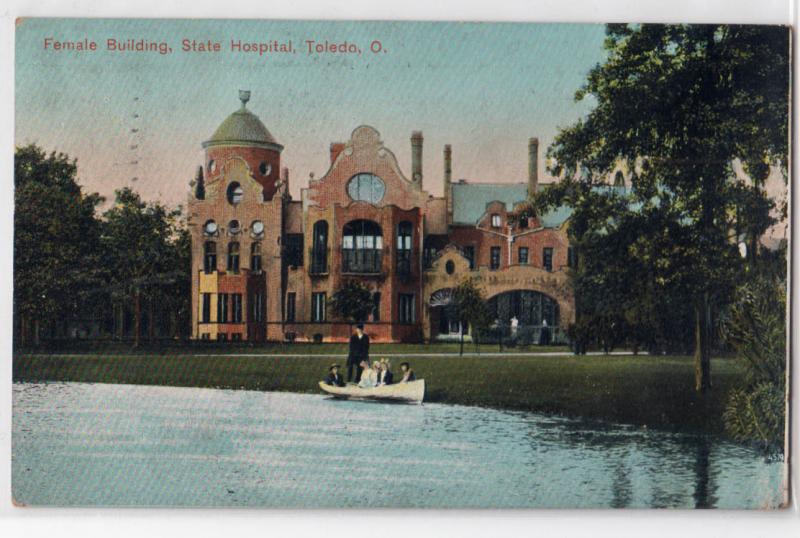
(411, 392)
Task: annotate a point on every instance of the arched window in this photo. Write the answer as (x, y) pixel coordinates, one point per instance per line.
(209, 257)
(404, 240)
(233, 257)
(362, 247)
(319, 248)
(235, 193)
(619, 179)
(255, 258)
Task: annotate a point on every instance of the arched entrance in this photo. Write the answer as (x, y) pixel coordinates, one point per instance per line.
(444, 316)
(536, 314)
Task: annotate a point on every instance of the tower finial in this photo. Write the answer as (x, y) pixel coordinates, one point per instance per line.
(244, 97)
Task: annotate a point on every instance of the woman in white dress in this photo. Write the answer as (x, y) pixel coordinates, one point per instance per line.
(369, 378)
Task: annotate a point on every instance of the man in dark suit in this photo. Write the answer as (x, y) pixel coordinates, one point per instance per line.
(359, 351)
(333, 377)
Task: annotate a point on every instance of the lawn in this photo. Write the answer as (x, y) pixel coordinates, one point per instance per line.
(107, 348)
(651, 391)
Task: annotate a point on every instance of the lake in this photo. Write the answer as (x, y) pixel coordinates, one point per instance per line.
(79, 444)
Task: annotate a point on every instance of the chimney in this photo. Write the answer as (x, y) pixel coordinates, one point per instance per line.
(285, 181)
(448, 179)
(416, 158)
(533, 165)
(336, 149)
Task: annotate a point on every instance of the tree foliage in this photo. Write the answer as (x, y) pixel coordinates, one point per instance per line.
(56, 236)
(755, 326)
(71, 264)
(676, 106)
(352, 302)
(472, 309)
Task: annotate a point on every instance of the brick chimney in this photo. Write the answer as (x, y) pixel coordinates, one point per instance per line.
(448, 182)
(533, 165)
(416, 158)
(336, 149)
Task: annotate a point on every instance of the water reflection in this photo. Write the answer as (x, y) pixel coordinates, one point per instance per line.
(81, 444)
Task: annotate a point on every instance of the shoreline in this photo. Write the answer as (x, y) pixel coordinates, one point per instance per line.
(646, 391)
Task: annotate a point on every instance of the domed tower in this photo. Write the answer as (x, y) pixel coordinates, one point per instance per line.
(236, 222)
(243, 135)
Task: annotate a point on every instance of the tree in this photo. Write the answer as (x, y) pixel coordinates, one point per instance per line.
(756, 328)
(352, 302)
(56, 242)
(472, 309)
(678, 106)
(146, 249)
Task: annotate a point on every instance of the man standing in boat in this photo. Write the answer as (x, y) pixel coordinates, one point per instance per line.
(359, 351)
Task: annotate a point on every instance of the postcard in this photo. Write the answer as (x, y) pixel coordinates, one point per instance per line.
(317, 264)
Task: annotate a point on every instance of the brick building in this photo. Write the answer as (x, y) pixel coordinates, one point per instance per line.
(265, 266)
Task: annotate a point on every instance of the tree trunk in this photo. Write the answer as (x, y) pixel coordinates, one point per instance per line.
(35, 332)
(137, 318)
(702, 349)
(151, 314)
(461, 350)
(23, 330)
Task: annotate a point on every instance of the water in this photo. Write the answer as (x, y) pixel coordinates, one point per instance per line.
(129, 445)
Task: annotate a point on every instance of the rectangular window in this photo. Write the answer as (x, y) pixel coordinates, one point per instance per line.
(233, 257)
(494, 262)
(376, 306)
(523, 255)
(206, 317)
(547, 258)
(294, 250)
(222, 337)
(469, 253)
(222, 308)
(572, 258)
(209, 257)
(318, 310)
(236, 337)
(236, 307)
(291, 312)
(496, 220)
(257, 300)
(406, 307)
(205, 336)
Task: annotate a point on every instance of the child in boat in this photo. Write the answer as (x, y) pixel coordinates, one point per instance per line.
(369, 377)
(408, 373)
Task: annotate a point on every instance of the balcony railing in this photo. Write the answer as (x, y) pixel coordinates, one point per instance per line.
(319, 261)
(362, 261)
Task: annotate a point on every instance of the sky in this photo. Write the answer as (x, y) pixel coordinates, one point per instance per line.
(484, 88)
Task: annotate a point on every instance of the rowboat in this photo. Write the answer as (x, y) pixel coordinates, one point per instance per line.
(411, 392)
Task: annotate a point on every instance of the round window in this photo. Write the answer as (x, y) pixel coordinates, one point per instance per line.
(265, 169)
(235, 193)
(234, 227)
(210, 227)
(212, 166)
(450, 267)
(366, 187)
(258, 227)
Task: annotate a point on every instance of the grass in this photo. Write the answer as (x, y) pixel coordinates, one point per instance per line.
(656, 392)
(107, 348)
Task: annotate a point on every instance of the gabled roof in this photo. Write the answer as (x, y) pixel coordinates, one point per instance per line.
(470, 201)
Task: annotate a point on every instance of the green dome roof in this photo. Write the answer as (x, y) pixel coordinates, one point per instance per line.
(242, 128)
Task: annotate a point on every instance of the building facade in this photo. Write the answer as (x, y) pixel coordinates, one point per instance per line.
(265, 266)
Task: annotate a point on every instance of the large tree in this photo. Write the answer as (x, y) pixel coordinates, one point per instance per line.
(679, 107)
(56, 251)
(146, 250)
